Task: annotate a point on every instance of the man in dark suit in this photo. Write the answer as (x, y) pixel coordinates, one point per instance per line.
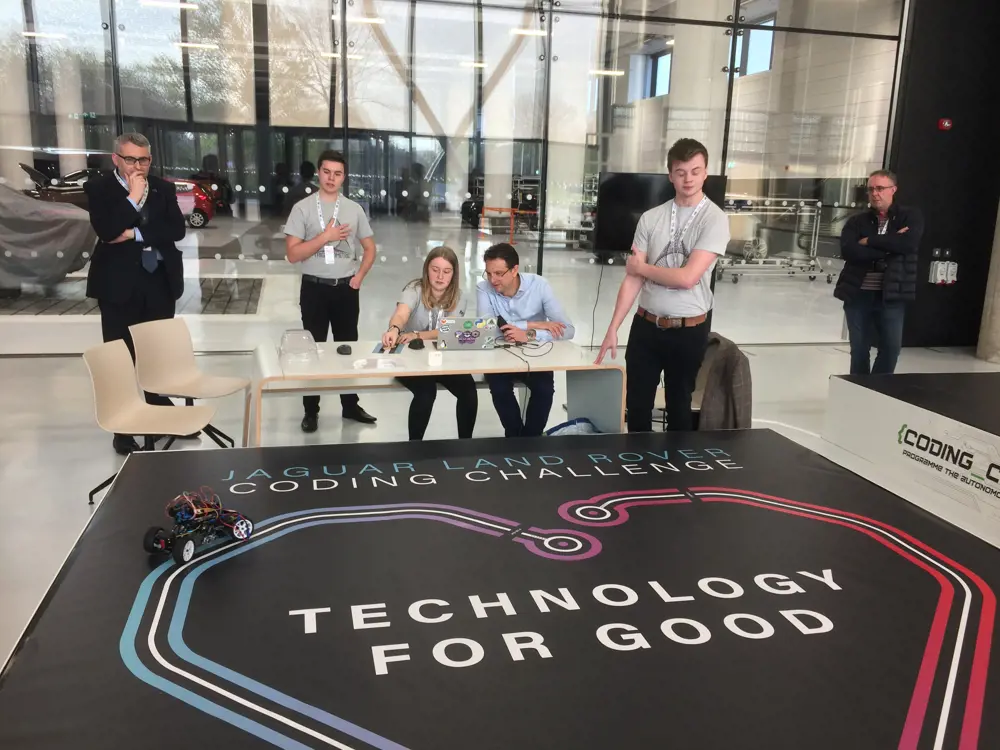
(136, 274)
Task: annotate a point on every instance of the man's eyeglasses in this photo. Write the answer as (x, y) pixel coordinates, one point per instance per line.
(142, 161)
(877, 189)
(495, 276)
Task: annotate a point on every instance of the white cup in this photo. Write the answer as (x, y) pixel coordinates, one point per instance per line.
(435, 358)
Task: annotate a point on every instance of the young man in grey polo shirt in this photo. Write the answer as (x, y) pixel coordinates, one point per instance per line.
(674, 251)
(323, 233)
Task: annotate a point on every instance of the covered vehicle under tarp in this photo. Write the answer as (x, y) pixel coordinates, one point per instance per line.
(41, 241)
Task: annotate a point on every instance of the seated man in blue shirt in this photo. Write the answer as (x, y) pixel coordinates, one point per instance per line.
(526, 302)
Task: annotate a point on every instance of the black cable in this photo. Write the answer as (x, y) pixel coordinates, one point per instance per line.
(535, 346)
(527, 376)
(597, 297)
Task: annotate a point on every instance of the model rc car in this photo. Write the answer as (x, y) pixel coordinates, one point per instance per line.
(198, 520)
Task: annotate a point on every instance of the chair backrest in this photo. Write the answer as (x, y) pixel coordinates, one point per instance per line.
(711, 353)
(113, 377)
(163, 353)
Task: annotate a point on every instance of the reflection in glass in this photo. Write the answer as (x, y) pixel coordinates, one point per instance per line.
(301, 60)
(860, 16)
(444, 103)
(222, 74)
(626, 91)
(440, 108)
(69, 110)
(150, 61)
(805, 134)
(378, 68)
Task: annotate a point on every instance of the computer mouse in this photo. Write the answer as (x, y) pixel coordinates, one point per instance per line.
(416, 344)
(344, 349)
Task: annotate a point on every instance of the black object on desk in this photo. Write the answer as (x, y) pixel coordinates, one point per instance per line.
(344, 349)
(416, 344)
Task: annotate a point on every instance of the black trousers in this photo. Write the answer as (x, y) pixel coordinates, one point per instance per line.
(325, 308)
(424, 390)
(677, 353)
(541, 389)
(151, 300)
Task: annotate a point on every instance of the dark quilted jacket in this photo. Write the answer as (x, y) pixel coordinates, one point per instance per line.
(896, 252)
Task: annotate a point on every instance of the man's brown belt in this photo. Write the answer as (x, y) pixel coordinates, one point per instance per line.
(667, 322)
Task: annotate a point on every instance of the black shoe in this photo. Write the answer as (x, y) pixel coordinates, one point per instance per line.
(310, 422)
(358, 415)
(125, 444)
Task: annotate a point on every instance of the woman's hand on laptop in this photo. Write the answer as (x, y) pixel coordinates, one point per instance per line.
(390, 338)
(554, 327)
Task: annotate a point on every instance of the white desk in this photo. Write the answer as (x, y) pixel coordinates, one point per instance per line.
(596, 392)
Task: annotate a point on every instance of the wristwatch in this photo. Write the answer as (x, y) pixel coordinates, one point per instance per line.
(532, 334)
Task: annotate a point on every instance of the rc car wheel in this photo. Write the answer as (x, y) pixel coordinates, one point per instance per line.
(184, 550)
(242, 529)
(154, 542)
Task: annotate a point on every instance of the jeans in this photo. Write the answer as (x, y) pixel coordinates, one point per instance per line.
(675, 352)
(424, 390)
(541, 387)
(871, 321)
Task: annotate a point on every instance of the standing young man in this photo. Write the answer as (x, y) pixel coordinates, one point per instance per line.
(531, 313)
(323, 232)
(879, 247)
(674, 251)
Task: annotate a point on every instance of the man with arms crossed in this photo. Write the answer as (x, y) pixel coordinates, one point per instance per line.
(670, 270)
(879, 247)
(137, 273)
(322, 233)
(531, 313)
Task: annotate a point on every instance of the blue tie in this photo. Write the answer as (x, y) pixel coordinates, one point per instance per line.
(149, 260)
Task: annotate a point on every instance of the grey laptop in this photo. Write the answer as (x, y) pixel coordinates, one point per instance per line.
(468, 334)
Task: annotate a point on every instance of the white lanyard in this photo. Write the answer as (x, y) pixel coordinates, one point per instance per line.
(675, 239)
(319, 211)
(329, 250)
(145, 191)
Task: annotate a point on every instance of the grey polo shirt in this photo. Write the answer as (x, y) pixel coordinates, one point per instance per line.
(709, 231)
(420, 316)
(303, 222)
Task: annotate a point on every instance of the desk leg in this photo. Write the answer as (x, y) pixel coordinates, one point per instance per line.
(246, 416)
(598, 395)
(258, 417)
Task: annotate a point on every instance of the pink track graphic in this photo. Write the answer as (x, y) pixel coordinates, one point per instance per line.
(612, 509)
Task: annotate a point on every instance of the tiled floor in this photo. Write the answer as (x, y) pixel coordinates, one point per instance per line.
(208, 295)
(52, 453)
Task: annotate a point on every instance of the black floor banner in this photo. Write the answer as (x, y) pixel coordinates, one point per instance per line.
(712, 590)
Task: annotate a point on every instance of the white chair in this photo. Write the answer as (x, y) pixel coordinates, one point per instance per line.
(121, 408)
(165, 365)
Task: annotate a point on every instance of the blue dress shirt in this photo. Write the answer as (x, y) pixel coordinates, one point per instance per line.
(533, 301)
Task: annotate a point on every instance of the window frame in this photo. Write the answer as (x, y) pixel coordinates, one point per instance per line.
(654, 64)
(744, 42)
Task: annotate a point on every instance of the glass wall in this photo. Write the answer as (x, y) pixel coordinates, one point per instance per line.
(469, 123)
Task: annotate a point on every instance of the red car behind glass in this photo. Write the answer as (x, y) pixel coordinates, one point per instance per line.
(196, 204)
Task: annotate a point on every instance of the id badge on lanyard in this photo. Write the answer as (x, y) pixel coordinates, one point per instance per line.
(329, 249)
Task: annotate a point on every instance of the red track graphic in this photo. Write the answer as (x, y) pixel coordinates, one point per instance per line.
(612, 510)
